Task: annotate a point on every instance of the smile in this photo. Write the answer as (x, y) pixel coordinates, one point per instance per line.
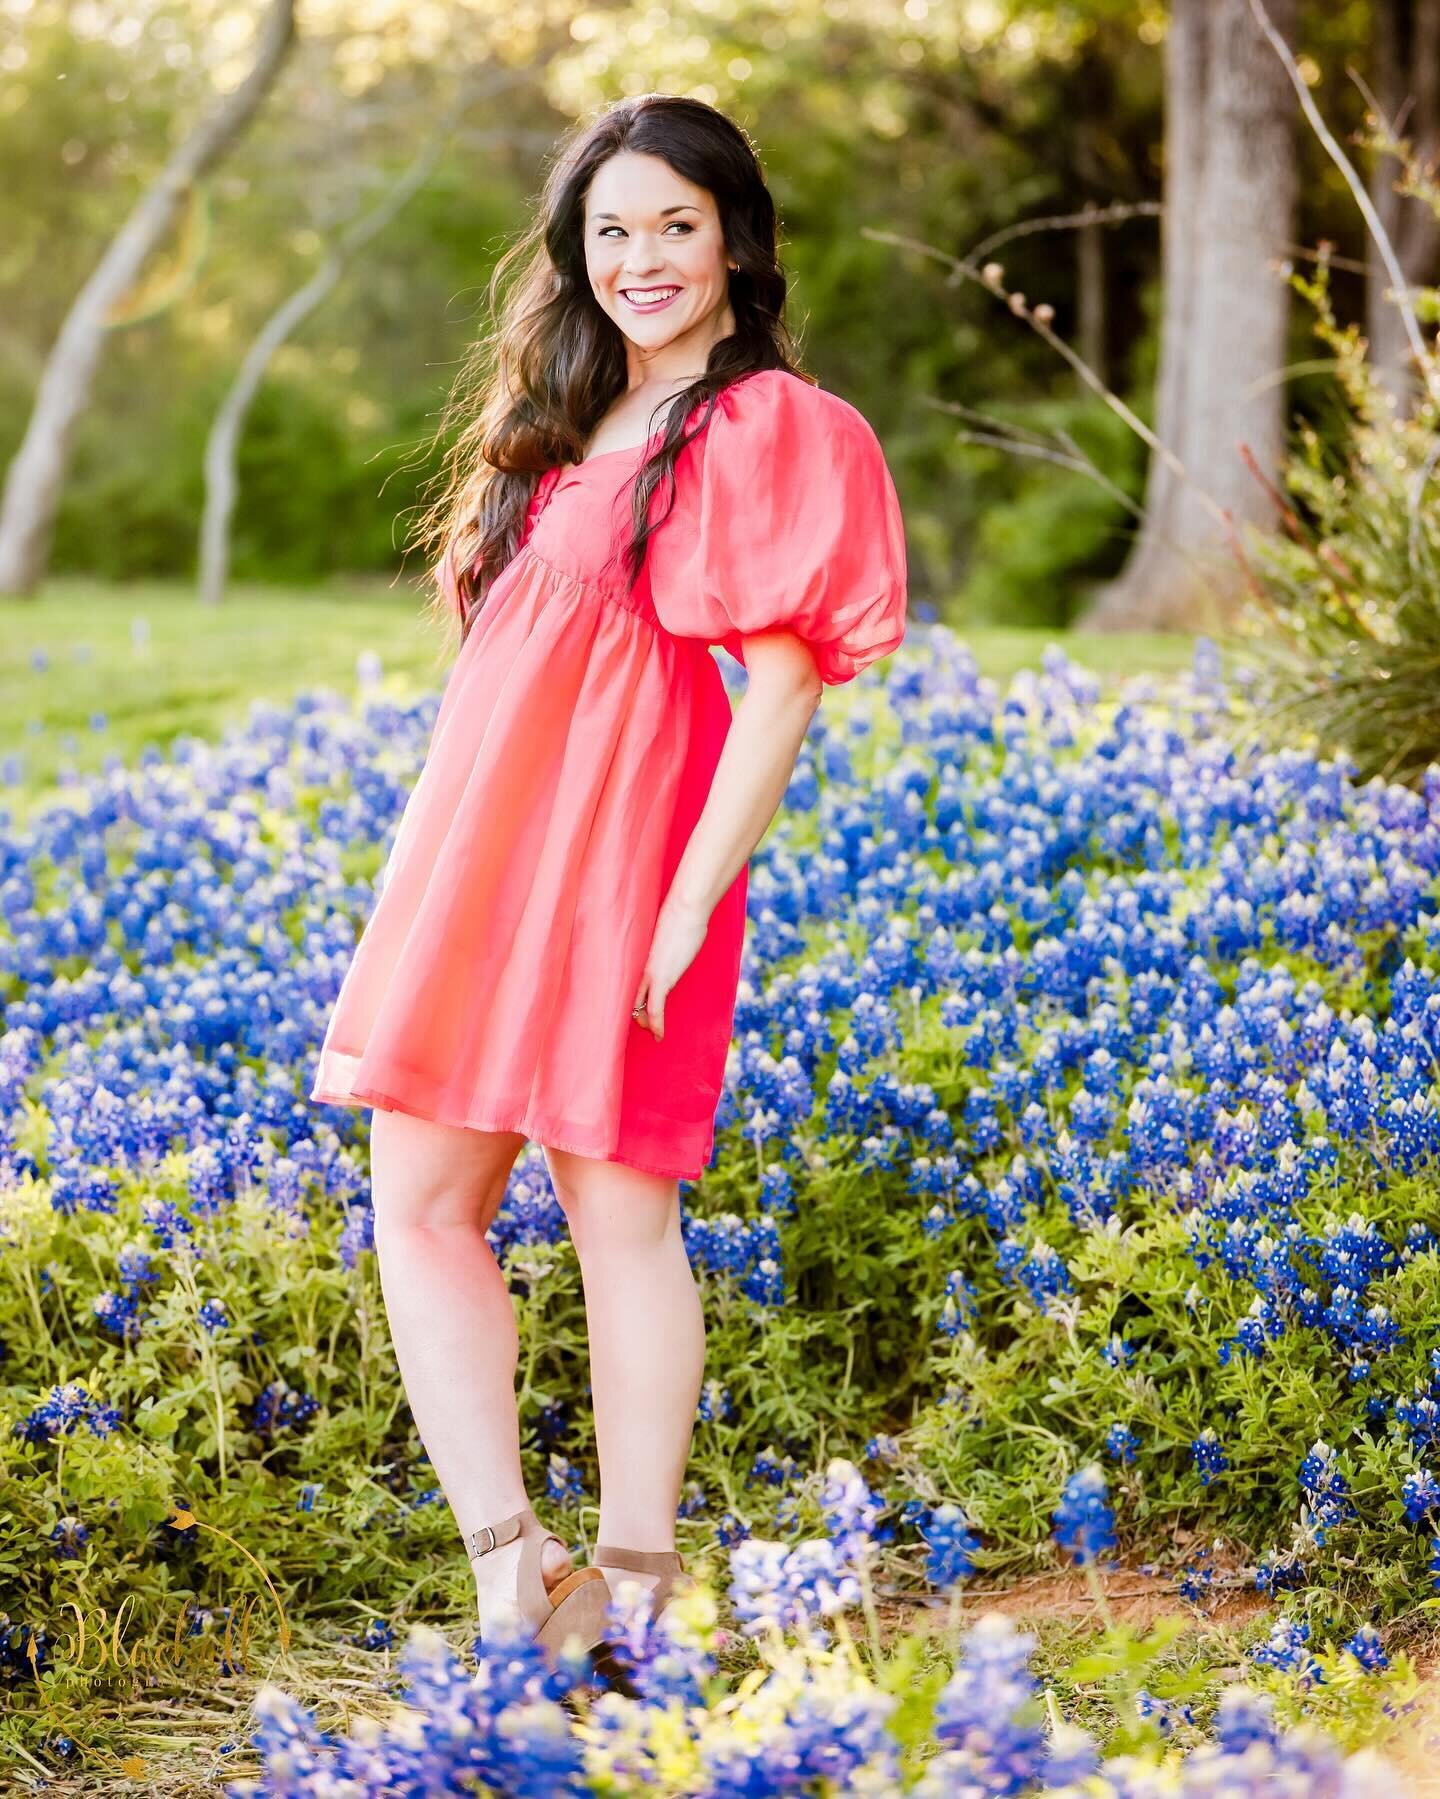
(649, 299)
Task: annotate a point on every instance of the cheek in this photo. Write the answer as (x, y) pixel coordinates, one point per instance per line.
(599, 267)
(704, 263)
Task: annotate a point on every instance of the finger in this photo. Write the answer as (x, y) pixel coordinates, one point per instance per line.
(656, 1012)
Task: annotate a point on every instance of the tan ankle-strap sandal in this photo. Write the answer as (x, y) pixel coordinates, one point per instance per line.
(667, 1563)
(574, 1607)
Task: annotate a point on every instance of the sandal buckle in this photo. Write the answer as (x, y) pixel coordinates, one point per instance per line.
(485, 1530)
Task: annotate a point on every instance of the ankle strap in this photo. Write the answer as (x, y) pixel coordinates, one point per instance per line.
(495, 1536)
(638, 1561)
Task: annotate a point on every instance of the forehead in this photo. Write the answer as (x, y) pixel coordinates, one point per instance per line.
(634, 184)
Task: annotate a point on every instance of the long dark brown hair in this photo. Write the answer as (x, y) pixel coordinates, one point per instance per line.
(531, 391)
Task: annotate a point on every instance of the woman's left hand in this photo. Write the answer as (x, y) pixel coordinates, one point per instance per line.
(679, 932)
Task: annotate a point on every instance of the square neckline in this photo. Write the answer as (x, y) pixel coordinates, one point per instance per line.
(659, 432)
(624, 450)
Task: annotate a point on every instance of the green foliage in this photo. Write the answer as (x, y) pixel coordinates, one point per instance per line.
(1044, 533)
(1346, 613)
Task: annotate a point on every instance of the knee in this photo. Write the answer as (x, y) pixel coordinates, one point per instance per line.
(455, 1184)
(611, 1209)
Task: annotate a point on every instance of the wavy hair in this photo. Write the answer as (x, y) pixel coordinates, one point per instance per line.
(532, 389)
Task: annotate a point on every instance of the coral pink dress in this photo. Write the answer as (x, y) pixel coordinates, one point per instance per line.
(571, 756)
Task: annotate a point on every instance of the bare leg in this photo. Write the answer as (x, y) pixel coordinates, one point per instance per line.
(436, 1190)
(647, 1343)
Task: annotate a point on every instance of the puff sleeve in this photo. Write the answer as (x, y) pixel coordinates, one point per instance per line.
(788, 519)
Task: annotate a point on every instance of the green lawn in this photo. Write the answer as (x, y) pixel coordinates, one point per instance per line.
(197, 670)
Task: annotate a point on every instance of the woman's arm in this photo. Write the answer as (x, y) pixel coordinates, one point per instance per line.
(750, 779)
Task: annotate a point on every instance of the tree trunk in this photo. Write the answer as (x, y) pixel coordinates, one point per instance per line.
(1407, 82)
(35, 478)
(221, 480)
(1095, 98)
(1090, 311)
(1230, 194)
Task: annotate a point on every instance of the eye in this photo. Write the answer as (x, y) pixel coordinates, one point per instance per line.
(683, 224)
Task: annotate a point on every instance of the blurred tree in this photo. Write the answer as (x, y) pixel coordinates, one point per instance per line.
(343, 246)
(1230, 202)
(36, 474)
(1407, 94)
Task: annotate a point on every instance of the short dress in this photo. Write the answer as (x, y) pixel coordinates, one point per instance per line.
(571, 755)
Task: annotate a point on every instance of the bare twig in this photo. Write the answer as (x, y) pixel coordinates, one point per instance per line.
(1037, 317)
(1069, 221)
(1383, 244)
(1003, 435)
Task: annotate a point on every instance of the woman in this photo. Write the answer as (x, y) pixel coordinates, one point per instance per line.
(555, 951)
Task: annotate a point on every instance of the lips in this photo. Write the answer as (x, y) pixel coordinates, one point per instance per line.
(648, 299)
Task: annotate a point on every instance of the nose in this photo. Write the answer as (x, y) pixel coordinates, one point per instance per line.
(645, 257)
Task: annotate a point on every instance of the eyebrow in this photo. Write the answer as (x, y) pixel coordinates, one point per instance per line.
(684, 206)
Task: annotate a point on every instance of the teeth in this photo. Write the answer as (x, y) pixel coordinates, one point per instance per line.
(636, 298)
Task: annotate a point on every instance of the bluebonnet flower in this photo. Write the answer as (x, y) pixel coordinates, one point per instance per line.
(771, 1585)
(280, 1407)
(714, 1406)
(1364, 1645)
(1042, 1273)
(69, 1537)
(1325, 1490)
(1277, 1573)
(1421, 1495)
(984, 1714)
(665, 1659)
(1121, 1443)
(562, 1479)
(777, 1191)
(730, 1529)
(952, 1545)
(832, 1734)
(1208, 1456)
(119, 1314)
(772, 1469)
(1163, 1713)
(851, 1511)
(1286, 1649)
(1083, 1521)
(357, 1236)
(1196, 1576)
(63, 1412)
(960, 1308)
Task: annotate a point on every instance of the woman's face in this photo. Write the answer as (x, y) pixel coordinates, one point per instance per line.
(657, 263)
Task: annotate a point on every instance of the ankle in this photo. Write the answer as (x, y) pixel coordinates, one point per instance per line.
(657, 1541)
(476, 1527)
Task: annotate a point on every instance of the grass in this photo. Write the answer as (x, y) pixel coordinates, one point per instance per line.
(184, 1738)
(157, 665)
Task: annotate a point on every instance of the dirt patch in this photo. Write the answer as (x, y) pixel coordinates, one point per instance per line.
(1133, 1597)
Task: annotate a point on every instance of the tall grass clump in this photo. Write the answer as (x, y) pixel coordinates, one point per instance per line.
(1350, 583)
(1347, 589)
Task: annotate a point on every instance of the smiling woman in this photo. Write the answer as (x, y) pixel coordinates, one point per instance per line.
(555, 951)
(654, 243)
